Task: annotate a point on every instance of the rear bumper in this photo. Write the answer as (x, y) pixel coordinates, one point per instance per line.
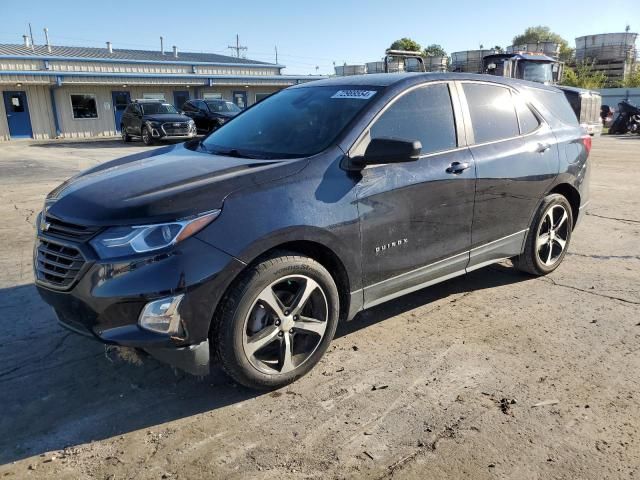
(106, 301)
(594, 129)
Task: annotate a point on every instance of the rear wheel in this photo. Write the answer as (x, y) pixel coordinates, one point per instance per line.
(277, 321)
(146, 136)
(548, 237)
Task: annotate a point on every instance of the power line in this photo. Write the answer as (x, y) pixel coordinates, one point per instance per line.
(237, 48)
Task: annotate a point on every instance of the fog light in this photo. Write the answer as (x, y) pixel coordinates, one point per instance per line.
(162, 315)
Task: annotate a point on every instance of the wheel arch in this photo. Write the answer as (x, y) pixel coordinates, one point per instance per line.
(314, 249)
(572, 194)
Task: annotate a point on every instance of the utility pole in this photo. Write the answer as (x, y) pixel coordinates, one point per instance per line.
(237, 48)
(33, 44)
(276, 47)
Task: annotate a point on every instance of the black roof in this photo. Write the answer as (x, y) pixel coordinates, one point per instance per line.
(120, 54)
(388, 79)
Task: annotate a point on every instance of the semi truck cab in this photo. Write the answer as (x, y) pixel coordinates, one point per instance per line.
(534, 67)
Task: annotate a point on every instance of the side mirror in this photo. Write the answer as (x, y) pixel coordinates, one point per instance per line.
(390, 150)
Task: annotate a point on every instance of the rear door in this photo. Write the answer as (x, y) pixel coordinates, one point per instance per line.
(415, 217)
(516, 159)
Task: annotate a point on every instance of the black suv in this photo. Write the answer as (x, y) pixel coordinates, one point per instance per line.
(210, 114)
(318, 202)
(154, 120)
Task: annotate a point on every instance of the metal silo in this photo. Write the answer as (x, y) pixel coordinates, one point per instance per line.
(346, 70)
(469, 60)
(611, 53)
(435, 64)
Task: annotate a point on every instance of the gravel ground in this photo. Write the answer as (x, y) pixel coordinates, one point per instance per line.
(492, 375)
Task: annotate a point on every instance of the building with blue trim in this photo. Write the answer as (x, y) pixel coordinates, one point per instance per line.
(53, 91)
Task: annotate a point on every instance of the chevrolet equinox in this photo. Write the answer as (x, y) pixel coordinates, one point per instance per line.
(329, 197)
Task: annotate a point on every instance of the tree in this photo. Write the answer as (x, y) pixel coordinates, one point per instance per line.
(434, 50)
(406, 44)
(498, 49)
(632, 80)
(583, 76)
(543, 33)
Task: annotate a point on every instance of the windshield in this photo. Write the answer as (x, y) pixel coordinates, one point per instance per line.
(221, 106)
(297, 122)
(154, 108)
(535, 71)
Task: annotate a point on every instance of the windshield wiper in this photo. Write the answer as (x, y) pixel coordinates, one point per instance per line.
(232, 152)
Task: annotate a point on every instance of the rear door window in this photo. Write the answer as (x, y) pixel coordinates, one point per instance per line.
(492, 110)
(423, 114)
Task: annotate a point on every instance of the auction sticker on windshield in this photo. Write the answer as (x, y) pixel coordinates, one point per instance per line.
(361, 94)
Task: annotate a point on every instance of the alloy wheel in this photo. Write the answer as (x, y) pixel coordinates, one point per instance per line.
(552, 236)
(285, 324)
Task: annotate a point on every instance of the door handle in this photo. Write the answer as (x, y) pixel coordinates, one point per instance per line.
(457, 167)
(543, 147)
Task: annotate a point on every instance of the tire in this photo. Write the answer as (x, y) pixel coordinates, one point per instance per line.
(125, 136)
(547, 244)
(252, 331)
(146, 136)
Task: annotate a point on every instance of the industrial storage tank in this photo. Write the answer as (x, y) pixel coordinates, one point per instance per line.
(435, 64)
(345, 70)
(550, 49)
(375, 67)
(606, 47)
(614, 54)
(469, 60)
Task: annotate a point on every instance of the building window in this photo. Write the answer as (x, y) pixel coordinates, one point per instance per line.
(212, 96)
(153, 96)
(84, 105)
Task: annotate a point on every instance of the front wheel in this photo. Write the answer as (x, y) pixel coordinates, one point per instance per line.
(125, 136)
(277, 321)
(548, 237)
(146, 136)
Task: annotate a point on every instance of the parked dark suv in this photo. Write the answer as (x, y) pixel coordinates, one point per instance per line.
(154, 120)
(318, 202)
(210, 114)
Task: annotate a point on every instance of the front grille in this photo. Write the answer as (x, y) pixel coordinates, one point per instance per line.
(56, 264)
(66, 230)
(176, 128)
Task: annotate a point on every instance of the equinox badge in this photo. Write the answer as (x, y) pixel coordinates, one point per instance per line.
(395, 243)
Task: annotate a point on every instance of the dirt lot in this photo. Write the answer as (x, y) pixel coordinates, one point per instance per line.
(441, 383)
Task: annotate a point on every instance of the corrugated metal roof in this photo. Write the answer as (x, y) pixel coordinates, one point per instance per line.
(120, 54)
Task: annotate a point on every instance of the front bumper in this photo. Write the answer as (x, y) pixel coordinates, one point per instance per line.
(106, 298)
(158, 132)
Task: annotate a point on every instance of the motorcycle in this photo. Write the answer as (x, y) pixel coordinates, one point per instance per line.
(628, 119)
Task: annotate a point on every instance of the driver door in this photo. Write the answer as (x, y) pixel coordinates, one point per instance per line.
(416, 216)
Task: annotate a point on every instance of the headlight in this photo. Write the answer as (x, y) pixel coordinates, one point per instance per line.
(153, 124)
(191, 122)
(122, 241)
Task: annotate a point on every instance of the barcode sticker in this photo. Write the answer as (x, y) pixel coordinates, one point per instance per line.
(360, 94)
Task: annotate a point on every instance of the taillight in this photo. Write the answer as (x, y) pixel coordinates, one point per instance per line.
(586, 141)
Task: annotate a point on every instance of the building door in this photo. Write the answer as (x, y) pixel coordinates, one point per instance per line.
(120, 102)
(240, 99)
(179, 98)
(17, 108)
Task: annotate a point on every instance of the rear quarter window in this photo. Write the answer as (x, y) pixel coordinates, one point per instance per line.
(556, 104)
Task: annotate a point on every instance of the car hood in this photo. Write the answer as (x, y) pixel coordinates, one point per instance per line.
(161, 185)
(166, 117)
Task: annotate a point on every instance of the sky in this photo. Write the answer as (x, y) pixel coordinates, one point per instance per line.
(306, 34)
